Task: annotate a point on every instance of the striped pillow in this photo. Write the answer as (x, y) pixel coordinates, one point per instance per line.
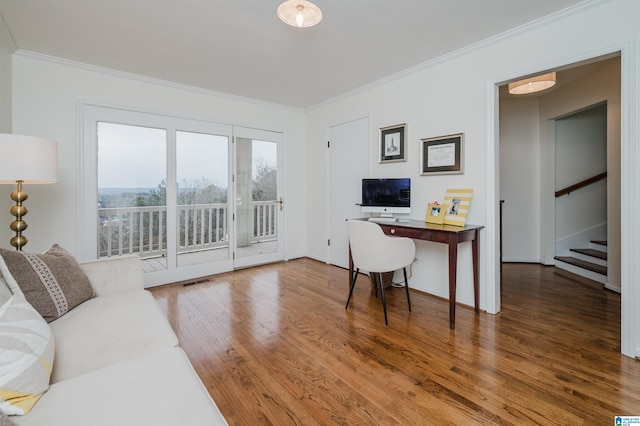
(52, 282)
(26, 356)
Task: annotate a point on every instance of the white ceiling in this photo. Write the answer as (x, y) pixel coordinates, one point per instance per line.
(240, 47)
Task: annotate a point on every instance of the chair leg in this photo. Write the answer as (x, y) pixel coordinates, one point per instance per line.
(374, 279)
(406, 287)
(353, 284)
(384, 301)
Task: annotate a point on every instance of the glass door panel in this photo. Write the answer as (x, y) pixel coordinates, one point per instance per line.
(202, 192)
(132, 202)
(258, 200)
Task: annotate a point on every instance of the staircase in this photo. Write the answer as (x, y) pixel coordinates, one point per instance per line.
(588, 262)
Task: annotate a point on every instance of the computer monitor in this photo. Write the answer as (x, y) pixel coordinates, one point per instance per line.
(386, 196)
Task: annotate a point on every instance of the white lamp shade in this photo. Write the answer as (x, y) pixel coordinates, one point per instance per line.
(27, 158)
(533, 84)
(299, 13)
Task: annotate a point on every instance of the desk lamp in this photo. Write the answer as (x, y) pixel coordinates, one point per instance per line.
(25, 160)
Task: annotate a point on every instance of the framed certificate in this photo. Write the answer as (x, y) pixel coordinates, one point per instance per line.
(442, 155)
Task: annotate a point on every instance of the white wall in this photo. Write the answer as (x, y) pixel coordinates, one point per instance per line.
(581, 152)
(449, 96)
(6, 51)
(45, 101)
(520, 178)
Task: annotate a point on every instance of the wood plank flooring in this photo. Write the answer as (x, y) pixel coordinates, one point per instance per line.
(274, 345)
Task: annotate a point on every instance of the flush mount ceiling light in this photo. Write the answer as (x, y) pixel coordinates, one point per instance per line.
(299, 13)
(533, 84)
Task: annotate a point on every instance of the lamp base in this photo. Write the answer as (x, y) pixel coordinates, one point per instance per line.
(18, 211)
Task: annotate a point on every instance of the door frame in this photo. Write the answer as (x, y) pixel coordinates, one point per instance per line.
(86, 196)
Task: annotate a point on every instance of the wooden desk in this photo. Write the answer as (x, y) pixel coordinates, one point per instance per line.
(446, 234)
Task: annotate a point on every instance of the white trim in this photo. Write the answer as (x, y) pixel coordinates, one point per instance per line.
(153, 111)
(6, 36)
(491, 234)
(630, 244)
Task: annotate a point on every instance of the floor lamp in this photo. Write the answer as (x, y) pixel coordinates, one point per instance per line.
(25, 160)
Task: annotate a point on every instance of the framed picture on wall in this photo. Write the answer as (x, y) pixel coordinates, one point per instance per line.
(392, 143)
(442, 155)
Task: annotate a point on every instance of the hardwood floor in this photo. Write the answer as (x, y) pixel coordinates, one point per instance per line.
(274, 345)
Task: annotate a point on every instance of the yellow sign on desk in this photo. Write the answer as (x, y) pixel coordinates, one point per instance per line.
(457, 203)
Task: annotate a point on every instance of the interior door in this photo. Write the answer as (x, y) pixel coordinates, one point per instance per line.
(349, 154)
(259, 203)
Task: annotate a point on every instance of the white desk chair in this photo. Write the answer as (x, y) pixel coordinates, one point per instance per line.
(377, 253)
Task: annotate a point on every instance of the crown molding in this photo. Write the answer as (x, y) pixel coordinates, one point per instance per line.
(145, 79)
(529, 26)
(5, 36)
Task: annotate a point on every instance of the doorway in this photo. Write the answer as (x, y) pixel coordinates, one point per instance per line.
(530, 197)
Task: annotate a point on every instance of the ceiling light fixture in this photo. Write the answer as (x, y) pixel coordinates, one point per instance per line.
(299, 13)
(533, 84)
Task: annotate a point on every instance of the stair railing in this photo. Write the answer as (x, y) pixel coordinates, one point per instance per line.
(581, 184)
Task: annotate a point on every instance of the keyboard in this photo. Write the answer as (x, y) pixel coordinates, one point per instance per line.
(383, 219)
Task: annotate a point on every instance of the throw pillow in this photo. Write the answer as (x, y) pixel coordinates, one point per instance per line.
(5, 421)
(52, 282)
(26, 356)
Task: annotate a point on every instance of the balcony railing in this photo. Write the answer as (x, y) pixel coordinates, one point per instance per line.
(143, 230)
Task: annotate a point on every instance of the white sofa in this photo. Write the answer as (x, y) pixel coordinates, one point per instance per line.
(117, 360)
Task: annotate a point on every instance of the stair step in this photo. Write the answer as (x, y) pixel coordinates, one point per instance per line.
(599, 269)
(600, 242)
(591, 252)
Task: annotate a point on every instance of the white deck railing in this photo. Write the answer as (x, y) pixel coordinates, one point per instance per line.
(143, 230)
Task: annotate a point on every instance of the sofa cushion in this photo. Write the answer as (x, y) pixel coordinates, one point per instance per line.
(26, 356)
(158, 388)
(114, 274)
(108, 329)
(5, 292)
(52, 282)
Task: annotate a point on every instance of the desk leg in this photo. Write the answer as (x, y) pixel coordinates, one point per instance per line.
(453, 270)
(476, 284)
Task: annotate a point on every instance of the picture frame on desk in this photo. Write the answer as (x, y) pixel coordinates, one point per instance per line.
(435, 213)
(458, 202)
(442, 155)
(393, 146)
